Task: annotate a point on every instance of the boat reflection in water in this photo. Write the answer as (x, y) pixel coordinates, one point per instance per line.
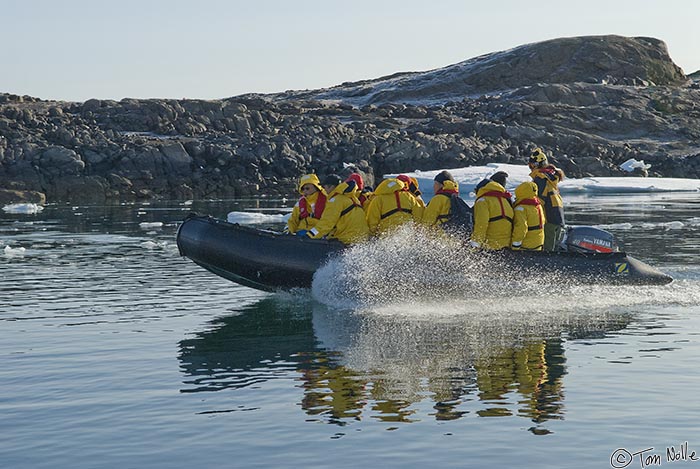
(386, 365)
(450, 363)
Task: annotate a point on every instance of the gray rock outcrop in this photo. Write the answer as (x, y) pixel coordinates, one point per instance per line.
(590, 102)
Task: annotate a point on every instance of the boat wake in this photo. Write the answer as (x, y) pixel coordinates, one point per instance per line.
(412, 270)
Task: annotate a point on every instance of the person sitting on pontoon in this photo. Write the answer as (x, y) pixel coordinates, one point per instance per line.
(308, 210)
(343, 217)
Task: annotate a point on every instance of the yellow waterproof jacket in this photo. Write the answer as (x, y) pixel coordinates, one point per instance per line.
(392, 206)
(419, 199)
(365, 197)
(438, 209)
(413, 189)
(343, 217)
(362, 196)
(528, 219)
(547, 180)
(493, 217)
(306, 212)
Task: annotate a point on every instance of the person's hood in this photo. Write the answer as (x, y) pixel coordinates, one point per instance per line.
(389, 186)
(405, 179)
(344, 187)
(310, 179)
(311, 199)
(450, 186)
(526, 190)
(413, 186)
(490, 186)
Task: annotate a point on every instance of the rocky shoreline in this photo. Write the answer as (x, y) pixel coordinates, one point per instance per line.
(593, 116)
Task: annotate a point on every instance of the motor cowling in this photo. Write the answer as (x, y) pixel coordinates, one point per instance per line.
(590, 239)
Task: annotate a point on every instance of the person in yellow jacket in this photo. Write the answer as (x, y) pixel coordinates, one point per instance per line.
(392, 205)
(493, 214)
(343, 217)
(437, 211)
(411, 186)
(360, 192)
(547, 177)
(528, 219)
(414, 189)
(309, 208)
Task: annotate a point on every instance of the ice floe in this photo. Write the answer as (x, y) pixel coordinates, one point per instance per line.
(24, 208)
(9, 251)
(470, 176)
(256, 218)
(150, 225)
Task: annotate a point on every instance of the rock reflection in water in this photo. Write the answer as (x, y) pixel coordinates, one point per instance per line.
(356, 365)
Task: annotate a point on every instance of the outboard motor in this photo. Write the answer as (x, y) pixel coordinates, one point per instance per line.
(588, 239)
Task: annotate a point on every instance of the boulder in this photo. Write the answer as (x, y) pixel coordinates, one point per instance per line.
(61, 161)
(176, 156)
(11, 196)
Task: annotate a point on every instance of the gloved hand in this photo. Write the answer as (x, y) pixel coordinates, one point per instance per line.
(474, 244)
(516, 244)
(301, 233)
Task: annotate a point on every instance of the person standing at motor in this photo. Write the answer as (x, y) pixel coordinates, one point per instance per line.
(437, 211)
(308, 210)
(547, 177)
(343, 217)
(493, 214)
(528, 219)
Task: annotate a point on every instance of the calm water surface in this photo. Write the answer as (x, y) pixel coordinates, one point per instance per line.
(116, 352)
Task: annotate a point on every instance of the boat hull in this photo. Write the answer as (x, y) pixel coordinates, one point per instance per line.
(258, 259)
(271, 261)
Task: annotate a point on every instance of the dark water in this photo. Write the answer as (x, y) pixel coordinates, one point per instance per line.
(116, 352)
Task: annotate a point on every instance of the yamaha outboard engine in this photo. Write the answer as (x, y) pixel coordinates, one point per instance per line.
(589, 239)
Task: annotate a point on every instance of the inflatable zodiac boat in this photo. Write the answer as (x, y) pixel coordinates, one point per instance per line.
(270, 261)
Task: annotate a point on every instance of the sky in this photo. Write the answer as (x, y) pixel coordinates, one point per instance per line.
(74, 50)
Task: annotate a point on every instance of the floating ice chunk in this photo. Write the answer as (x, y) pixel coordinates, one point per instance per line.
(469, 176)
(632, 164)
(150, 225)
(23, 208)
(154, 244)
(14, 252)
(253, 218)
(616, 226)
(674, 225)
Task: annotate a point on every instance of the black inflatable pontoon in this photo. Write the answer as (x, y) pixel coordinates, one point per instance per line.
(259, 259)
(271, 261)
